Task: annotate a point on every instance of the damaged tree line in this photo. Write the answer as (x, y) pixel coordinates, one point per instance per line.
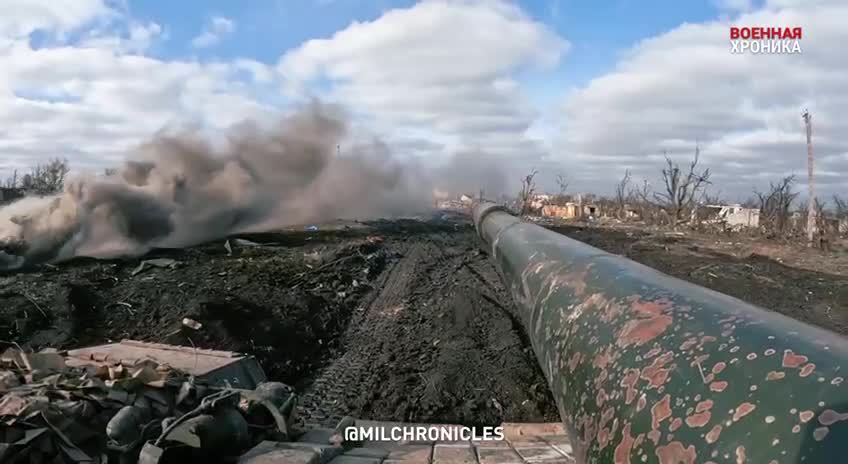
(43, 179)
(684, 191)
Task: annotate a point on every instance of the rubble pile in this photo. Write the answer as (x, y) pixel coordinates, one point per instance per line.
(136, 402)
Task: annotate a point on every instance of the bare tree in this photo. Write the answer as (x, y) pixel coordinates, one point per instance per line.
(562, 183)
(47, 178)
(751, 202)
(622, 193)
(775, 205)
(713, 198)
(528, 189)
(840, 210)
(642, 196)
(682, 187)
(561, 197)
(822, 229)
(840, 206)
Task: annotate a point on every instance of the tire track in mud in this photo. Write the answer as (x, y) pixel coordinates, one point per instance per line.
(436, 341)
(341, 385)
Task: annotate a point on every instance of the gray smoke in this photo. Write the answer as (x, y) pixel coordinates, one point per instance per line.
(472, 172)
(181, 189)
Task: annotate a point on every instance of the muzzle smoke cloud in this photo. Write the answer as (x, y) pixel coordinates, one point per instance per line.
(182, 190)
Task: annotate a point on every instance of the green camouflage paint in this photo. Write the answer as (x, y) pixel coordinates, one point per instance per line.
(648, 368)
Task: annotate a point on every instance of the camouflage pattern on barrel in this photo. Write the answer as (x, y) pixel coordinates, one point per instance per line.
(649, 368)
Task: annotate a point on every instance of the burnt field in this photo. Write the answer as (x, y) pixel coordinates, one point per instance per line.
(390, 320)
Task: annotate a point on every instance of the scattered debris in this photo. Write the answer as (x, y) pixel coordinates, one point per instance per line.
(374, 239)
(191, 323)
(162, 263)
(112, 403)
(240, 242)
(245, 243)
(312, 259)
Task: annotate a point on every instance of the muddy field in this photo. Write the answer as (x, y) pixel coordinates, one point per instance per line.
(392, 320)
(807, 284)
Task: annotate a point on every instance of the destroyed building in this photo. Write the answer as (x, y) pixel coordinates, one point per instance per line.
(539, 200)
(567, 211)
(462, 202)
(731, 216)
(570, 210)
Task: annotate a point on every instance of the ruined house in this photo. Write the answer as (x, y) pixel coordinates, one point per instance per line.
(570, 210)
(463, 202)
(540, 200)
(631, 212)
(734, 216)
(566, 211)
(591, 210)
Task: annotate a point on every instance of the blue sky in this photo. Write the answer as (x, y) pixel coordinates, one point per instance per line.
(598, 30)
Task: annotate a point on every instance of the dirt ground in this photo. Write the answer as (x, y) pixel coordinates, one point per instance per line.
(400, 320)
(391, 320)
(807, 284)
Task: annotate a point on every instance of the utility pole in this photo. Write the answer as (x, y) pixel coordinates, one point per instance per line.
(579, 206)
(811, 200)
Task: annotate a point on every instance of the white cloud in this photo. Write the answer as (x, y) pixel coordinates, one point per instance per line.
(685, 86)
(133, 37)
(441, 66)
(215, 31)
(439, 77)
(260, 72)
(20, 18)
(94, 99)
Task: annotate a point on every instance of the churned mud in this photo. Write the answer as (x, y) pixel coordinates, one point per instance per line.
(391, 320)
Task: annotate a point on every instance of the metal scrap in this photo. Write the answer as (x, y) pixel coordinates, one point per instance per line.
(240, 242)
(245, 243)
(191, 323)
(162, 263)
(106, 404)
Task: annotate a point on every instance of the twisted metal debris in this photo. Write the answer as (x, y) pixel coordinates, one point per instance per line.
(648, 368)
(156, 403)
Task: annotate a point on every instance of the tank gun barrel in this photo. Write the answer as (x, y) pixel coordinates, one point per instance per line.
(645, 367)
